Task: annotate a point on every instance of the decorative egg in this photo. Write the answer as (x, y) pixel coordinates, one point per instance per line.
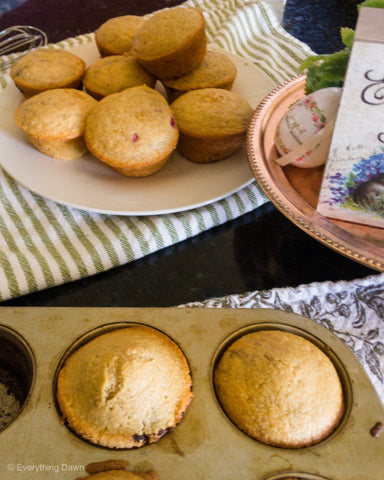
(304, 133)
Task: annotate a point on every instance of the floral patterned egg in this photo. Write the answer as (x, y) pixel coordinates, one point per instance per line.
(299, 128)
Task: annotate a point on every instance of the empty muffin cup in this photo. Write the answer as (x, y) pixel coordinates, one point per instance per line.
(17, 371)
(281, 386)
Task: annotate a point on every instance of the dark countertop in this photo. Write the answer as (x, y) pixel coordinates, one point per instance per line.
(258, 251)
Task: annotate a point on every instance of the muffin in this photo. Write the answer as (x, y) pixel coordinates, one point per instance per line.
(47, 68)
(115, 73)
(212, 123)
(125, 388)
(171, 42)
(133, 131)
(279, 388)
(215, 71)
(53, 121)
(121, 475)
(110, 469)
(115, 35)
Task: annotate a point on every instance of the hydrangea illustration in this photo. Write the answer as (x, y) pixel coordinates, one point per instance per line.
(343, 187)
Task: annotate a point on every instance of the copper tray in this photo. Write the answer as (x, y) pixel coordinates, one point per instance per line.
(295, 191)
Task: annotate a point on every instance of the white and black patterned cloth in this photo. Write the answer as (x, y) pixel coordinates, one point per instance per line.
(353, 311)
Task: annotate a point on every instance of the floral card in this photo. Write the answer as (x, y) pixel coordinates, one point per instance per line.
(353, 183)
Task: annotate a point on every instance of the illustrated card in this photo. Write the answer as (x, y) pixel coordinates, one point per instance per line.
(353, 183)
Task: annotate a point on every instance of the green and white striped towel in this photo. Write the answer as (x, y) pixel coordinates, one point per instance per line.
(43, 244)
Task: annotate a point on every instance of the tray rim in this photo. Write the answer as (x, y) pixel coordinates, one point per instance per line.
(288, 201)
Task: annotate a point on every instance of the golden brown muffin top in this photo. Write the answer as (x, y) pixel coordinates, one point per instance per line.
(215, 70)
(166, 31)
(211, 111)
(115, 35)
(115, 73)
(125, 388)
(55, 114)
(279, 388)
(120, 475)
(47, 68)
(130, 127)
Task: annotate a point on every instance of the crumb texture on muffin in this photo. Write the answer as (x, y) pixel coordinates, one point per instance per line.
(125, 388)
(54, 121)
(212, 123)
(133, 131)
(47, 68)
(215, 71)
(115, 73)
(115, 35)
(279, 388)
(172, 42)
(212, 112)
(55, 114)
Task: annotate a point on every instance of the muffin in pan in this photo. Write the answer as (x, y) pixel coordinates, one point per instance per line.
(215, 71)
(53, 121)
(117, 469)
(279, 388)
(134, 131)
(121, 475)
(212, 123)
(125, 388)
(171, 42)
(114, 36)
(115, 73)
(47, 68)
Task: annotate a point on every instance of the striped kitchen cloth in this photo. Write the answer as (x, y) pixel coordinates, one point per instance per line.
(43, 243)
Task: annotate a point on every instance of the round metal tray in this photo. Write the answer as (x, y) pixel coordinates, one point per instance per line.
(295, 191)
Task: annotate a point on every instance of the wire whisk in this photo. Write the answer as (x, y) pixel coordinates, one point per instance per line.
(19, 38)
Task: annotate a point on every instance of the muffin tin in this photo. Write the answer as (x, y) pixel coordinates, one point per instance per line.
(205, 445)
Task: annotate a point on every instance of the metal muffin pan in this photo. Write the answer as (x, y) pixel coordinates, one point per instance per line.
(205, 445)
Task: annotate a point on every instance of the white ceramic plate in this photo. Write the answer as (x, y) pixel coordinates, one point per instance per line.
(88, 184)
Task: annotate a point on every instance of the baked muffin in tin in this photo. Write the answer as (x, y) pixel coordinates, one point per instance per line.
(125, 388)
(279, 388)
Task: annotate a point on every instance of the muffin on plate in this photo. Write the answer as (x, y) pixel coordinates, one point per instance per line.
(279, 388)
(212, 123)
(171, 42)
(53, 121)
(114, 36)
(133, 131)
(215, 71)
(125, 388)
(47, 68)
(115, 73)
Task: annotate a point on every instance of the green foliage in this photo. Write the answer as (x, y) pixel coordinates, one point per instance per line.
(329, 70)
(347, 35)
(372, 3)
(325, 70)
